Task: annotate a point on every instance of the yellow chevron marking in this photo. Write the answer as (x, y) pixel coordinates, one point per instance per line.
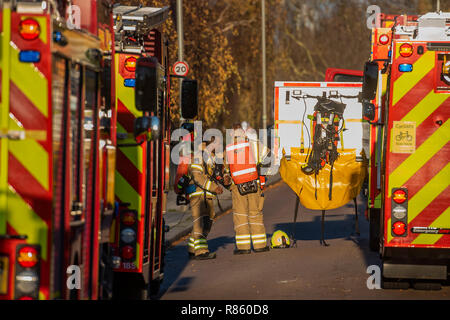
(30, 81)
(5, 38)
(388, 231)
(385, 82)
(135, 155)
(127, 194)
(428, 193)
(442, 222)
(32, 156)
(426, 107)
(43, 25)
(124, 94)
(409, 79)
(23, 219)
(121, 129)
(422, 155)
(138, 250)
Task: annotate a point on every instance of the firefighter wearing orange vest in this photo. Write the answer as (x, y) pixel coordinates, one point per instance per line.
(202, 207)
(248, 199)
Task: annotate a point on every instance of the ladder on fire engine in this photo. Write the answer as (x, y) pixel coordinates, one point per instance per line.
(133, 24)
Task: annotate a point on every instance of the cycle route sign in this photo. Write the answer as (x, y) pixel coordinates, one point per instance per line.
(403, 137)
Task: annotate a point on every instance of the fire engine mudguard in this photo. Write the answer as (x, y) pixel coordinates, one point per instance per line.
(348, 178)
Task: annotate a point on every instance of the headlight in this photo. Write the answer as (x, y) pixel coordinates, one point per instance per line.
(128, 235)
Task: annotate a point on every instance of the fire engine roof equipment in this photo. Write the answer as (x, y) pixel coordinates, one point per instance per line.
(133, 23)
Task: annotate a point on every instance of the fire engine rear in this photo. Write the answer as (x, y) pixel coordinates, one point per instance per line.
(415, 218)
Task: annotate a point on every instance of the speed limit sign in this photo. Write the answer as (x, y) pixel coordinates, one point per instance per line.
(181, 69)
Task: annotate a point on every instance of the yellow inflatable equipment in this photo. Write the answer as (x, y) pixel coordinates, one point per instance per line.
(313, 190)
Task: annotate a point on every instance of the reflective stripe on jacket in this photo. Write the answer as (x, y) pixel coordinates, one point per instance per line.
(203, 184)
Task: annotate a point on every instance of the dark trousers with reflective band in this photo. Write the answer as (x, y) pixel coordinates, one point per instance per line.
(248, 220)
(202, 218)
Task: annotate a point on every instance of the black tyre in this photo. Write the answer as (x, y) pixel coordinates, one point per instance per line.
(129, 287)
(427, 286)
(394, 284)
(155, 285)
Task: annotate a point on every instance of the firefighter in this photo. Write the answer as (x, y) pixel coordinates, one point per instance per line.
(247, 195)
(202, 207)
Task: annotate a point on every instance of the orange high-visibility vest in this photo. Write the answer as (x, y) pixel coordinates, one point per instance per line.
(242, 163)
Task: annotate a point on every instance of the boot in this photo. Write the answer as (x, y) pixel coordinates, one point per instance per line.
(206, 256)
(265, 249)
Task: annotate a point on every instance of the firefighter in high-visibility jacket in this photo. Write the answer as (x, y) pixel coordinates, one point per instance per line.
(202, 207)
(247, 195)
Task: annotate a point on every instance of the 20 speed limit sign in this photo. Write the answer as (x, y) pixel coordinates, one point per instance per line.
(181, 69)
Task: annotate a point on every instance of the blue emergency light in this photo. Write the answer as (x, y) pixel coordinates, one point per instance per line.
(130, 83)
(29, 56)
(57, 36)
(405, 67)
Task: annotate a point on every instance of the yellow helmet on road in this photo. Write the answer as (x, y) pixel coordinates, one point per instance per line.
(280, 239)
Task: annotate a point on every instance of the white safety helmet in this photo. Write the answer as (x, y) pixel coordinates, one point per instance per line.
(245, 125)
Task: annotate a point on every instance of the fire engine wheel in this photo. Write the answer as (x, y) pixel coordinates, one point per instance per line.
(374, 230)
(129, 287)
(155, 286)
(394, 284)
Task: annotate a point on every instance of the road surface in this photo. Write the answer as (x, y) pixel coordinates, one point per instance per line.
(308, 271)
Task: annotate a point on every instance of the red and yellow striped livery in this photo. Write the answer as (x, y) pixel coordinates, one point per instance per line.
(79, 199)
(26, 185)
(418, 145)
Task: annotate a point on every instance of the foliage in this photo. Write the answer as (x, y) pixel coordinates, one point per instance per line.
(304, 38)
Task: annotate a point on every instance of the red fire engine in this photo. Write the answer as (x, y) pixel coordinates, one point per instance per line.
(142, 168)
(83, 167)
(414, 224)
